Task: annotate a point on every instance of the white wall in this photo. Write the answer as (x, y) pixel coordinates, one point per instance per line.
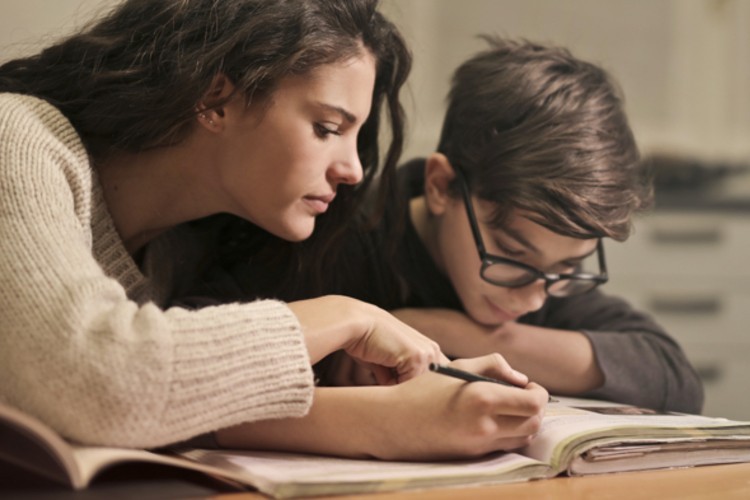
(26, 25)
(684, 64)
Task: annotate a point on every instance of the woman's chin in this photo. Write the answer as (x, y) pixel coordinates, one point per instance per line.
(296, 233)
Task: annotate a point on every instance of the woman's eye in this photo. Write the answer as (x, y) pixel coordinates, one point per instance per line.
(323, 132)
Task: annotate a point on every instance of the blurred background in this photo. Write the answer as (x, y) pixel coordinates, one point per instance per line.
(684, 67)
(684, 64)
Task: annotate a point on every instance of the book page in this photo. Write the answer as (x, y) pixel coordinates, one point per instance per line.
(288, 475)
(658, 455)
(27, 442)
(92, 460)
(572, 426)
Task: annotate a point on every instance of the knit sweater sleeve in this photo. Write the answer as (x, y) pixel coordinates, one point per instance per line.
(77, 352)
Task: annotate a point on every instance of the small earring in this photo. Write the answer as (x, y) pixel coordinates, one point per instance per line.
(204, 117)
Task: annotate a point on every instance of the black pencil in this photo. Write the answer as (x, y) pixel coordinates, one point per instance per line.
(472, 377)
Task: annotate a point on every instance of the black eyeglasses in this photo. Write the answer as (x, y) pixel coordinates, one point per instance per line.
(509, 273)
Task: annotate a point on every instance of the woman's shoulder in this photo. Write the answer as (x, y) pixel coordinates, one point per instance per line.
(26, 108)
(29, 119)
(42, 159)
(33, 131)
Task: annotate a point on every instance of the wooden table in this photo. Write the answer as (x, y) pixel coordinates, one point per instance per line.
(721, 482)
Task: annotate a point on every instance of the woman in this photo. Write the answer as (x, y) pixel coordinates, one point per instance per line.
(167, 111)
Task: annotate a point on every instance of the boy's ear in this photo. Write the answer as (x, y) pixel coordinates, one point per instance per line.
(438, 174)
(212, 108)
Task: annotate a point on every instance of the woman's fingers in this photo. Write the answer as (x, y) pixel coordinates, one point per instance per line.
(494, 366)
(400, 351)
(446, 417)
(367, 333)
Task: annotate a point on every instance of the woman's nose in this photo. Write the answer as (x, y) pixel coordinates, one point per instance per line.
(348, 168)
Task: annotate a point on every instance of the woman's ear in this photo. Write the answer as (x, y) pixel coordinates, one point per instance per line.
(212, 108)
(438, 174)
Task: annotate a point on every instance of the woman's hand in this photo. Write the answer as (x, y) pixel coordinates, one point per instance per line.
(392, 350)
(342, 370)
(451, 418)
(427, 418)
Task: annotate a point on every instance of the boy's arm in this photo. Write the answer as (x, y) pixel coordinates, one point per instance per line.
(562, 361)
(640, 363)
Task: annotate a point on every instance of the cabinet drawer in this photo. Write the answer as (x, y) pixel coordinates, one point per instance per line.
(724, 371)
(692, 273)
(698, 244)
(690, 310)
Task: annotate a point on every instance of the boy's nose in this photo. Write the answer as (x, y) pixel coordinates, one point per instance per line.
(531, 297)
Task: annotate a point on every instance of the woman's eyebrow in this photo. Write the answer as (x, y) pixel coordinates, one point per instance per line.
(347, 115)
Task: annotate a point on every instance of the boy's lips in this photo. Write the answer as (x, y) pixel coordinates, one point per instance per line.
(500, 313)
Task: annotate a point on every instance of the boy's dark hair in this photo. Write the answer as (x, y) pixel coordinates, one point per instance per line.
(535, 129)
(132, 80)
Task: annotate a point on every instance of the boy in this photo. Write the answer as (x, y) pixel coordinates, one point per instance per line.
(536, 164)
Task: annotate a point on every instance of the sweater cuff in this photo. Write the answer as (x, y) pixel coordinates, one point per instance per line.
(238, 363)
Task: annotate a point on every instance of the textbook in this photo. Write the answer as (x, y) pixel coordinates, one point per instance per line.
(578, 437)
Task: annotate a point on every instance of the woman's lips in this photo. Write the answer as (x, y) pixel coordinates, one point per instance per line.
(319, 204)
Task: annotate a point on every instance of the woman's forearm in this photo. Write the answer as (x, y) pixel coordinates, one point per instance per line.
(328, 323)
(335, 411)
(429, 417)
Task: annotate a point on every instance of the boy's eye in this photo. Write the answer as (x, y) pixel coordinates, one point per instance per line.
(323, 131)
(515, 254)
(565, 269)
(509, 252)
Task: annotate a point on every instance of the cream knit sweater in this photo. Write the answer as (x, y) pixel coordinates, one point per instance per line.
(84, 342)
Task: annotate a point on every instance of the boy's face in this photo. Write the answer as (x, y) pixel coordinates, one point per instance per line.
(522, 240)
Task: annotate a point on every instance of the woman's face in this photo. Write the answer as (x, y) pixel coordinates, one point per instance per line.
(281, 161)
(522, 240)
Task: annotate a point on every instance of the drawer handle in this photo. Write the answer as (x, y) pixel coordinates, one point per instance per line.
(692, 236)
(686, 305)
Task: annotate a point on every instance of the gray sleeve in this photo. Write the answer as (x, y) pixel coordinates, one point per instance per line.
(641, 363)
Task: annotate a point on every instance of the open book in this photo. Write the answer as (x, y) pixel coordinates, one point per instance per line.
(578, 437)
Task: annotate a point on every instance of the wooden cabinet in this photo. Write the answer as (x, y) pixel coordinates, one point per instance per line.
(691, 271)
